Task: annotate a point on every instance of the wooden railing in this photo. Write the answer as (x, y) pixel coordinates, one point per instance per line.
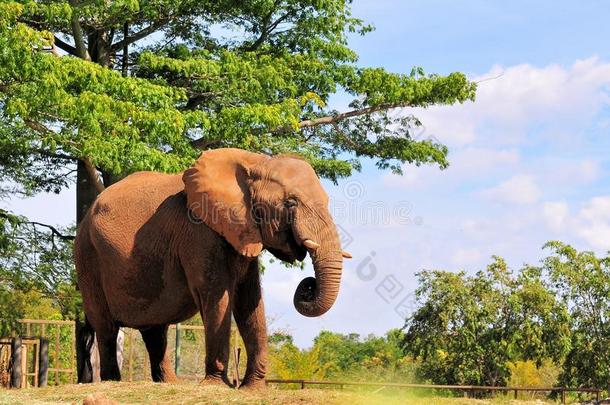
(23, 362)
(468, 390)
(52, 330)
(188, 354)
(46, 328)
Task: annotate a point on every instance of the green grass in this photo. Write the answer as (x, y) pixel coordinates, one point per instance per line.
(192, 393)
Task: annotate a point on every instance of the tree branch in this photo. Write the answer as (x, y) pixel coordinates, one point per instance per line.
(77, 33)
(140, 34)
(52, 229)
(55, 231)
(201, 143)
(266, 30)
(38, 127)
(125, 64)
(93, 176)
(55, 155)
(91, 169)
(331, 119)
(64, 46)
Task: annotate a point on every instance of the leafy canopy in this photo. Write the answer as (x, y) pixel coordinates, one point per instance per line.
(469, 329)
(145, 85)
(36, 272)
(582, 280)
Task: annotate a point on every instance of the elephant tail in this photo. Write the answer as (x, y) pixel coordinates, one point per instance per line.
(84, 341)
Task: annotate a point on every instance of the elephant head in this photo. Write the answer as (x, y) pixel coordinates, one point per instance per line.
(276, 203)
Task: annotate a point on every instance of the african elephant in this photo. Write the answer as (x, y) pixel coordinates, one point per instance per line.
(155, 249)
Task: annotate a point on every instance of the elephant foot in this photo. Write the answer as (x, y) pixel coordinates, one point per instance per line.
(216, 380)
(167, 378)
(253, 385)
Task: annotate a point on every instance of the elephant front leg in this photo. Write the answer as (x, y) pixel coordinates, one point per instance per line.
(249, 313)
(216, 315)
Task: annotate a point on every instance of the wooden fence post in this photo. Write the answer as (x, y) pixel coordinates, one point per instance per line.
(16, 372)
(43, 363)
(177, 351)
(130, 354)
(563, 395)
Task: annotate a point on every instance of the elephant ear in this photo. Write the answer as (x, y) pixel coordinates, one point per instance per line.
(217, 193)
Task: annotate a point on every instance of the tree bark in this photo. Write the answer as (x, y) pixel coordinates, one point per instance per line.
(86, 191)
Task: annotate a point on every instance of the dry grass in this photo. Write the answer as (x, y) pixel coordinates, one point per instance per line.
(191, 393)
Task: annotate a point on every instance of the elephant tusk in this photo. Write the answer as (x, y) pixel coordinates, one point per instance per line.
(310, 244)
(346, 255)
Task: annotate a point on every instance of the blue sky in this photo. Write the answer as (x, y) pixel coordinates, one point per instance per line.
(529, 159)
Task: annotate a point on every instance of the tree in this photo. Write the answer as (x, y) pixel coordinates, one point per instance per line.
(36, 257)
(342, 357)
(145, 85)
(582, 280)
(286, 361)
(91, 91)
(35, 267)
(468, 328)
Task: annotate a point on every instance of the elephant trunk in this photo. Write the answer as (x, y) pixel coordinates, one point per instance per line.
(316, 295)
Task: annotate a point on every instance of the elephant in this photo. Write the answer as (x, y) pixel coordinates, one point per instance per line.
(156, 249)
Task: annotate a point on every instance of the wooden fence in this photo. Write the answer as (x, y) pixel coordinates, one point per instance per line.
(23, 362)
(468, 390)
(62, 359)
(181, 339)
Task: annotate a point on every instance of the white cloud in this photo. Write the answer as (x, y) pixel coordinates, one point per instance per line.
(589, 170)
(474, 160)
(597, 235)
(558, 99)
(555, 214)
(469, 162)
(594, 225)
(566, 173)
(466, 256)
(597, 209)
(591, 222)
(519, 189)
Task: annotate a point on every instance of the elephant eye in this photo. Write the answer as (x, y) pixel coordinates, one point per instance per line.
(290, 202)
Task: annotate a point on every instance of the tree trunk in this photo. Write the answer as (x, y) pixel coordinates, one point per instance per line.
(86, 192)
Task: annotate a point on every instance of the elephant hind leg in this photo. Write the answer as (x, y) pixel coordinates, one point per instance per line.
(155, 339)
(107, 346)
(84, 341)
(106, 331)
(98, 316)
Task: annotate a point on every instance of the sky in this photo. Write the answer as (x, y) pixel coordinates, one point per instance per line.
(530, 158)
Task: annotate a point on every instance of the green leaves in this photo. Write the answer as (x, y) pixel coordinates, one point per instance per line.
(474, 329)
(468, 328)
(582, 280)
(266, 93)
(341, 357)
(35, 260)
(83, 109)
